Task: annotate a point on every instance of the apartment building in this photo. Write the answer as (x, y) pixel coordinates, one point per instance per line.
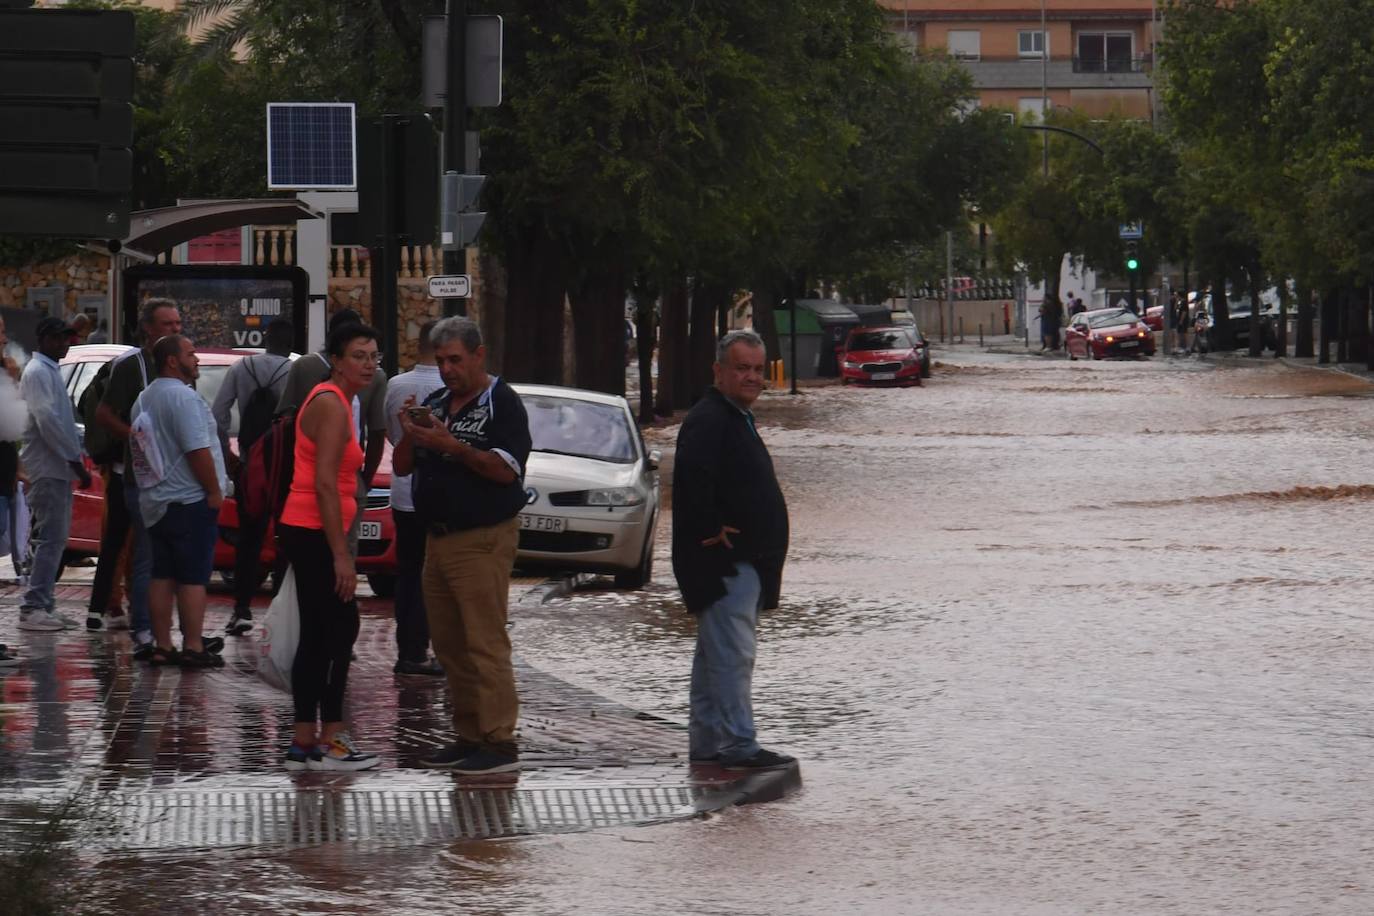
(1095, 56)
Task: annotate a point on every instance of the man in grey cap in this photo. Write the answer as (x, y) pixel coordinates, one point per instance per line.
(52, 457)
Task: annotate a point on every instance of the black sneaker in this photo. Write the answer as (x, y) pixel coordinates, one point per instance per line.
(143, 651)
(703, 759)
(428, 668)
(486, 760)
(95, 622)
(189, 659)
(450, 755)
(212, 644)
(763, 760)
(240, 623)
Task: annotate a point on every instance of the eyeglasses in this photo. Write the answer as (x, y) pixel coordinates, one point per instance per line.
(362, 356)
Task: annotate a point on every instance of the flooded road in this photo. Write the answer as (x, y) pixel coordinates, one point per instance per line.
(1055, 638)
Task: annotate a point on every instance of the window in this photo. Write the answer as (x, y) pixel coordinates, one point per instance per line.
(966, 44)
(1031, 105)
(1030, 44)
(1105, 52)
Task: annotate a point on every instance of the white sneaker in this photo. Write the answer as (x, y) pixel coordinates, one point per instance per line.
(117, 622)
(341, 754)
(40, 621)
(68, 622)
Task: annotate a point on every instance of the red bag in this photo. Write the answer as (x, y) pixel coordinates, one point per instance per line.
(267, 473)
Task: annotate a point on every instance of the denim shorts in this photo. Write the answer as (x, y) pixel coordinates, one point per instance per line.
(184, 543)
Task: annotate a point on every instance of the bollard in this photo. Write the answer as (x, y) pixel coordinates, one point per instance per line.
(980, 333)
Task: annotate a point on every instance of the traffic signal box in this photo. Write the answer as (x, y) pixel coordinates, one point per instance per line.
(66, 81)
(1132, 256)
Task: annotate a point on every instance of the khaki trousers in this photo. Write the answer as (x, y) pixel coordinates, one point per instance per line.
(466, 585)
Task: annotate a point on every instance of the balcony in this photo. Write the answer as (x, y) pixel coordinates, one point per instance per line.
(1113, 65)
(1062, 73)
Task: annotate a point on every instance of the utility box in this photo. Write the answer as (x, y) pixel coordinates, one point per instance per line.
(835, 321)
(809, 337)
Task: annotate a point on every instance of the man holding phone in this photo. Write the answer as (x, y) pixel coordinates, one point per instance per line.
(412, 631)
(468, 452)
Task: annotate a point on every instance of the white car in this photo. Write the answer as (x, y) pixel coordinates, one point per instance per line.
(591, 487)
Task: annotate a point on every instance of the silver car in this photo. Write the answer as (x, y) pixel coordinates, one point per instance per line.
(592, 489)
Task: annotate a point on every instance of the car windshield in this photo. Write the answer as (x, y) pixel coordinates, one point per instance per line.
(1111, 319)
(568, 426)
(880, 340)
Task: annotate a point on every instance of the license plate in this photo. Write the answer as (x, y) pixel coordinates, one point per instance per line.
(542, 523)
(1129, 343)
(884, 376)
(370, 531)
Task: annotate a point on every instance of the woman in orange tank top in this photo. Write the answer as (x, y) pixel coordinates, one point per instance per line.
(318, 511)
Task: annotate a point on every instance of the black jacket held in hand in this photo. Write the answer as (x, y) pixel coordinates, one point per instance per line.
(723, 475)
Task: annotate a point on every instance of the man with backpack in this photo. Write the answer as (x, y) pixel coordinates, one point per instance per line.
(255, 384)
(159, 318)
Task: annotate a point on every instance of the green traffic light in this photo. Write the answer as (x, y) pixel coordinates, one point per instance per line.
(1132, 264)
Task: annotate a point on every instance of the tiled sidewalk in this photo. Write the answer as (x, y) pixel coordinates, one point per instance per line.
(151, 758)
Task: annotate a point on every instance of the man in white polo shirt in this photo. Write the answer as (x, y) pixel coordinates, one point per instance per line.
(412, 630)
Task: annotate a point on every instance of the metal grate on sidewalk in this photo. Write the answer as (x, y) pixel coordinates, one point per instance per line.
(182, 820)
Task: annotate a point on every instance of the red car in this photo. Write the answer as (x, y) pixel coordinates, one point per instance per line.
(1154, 318)
(882, 356)
(1101, 333)
(376, 545)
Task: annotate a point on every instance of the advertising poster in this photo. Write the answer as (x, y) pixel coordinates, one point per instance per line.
(222, 307)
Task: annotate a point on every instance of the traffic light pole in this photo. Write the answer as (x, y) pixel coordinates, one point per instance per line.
(455, 127)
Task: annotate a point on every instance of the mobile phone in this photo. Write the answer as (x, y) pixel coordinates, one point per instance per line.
(420, 416)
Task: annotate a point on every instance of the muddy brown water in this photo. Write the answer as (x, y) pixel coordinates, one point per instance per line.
(1056, 638)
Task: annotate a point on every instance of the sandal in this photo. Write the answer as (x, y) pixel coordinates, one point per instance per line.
(160, 656)
(191, 659)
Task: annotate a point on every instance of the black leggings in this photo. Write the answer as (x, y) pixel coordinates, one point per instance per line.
(329, 628)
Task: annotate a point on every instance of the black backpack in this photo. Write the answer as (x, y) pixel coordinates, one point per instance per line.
(256, 414)
(102, 445)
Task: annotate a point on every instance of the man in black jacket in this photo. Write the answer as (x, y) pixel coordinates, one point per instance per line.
(729, 545)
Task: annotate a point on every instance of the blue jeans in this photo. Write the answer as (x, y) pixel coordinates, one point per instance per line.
(50, 502)
(722, 716)
(140, 559)
(4, 516)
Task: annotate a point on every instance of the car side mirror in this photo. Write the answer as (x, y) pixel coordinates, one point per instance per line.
(655, 457)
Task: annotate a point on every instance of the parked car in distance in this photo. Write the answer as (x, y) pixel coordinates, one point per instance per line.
(894, 355)
(1154, 318)
(1101, 333)
(592, 489)
(376, 546)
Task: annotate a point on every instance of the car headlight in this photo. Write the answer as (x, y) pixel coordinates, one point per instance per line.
(910, 361)
(615, 496)
(849, 365)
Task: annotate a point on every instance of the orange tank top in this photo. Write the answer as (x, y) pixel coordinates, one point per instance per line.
(302, 508)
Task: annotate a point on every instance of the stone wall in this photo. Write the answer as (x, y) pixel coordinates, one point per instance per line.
(80, 274)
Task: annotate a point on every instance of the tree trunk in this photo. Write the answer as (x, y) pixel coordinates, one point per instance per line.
(1256, 337)
(706, 299)
(1343, 326)
(1281, 332)
(535, 292)
(672, 349)
(1221, 315)
(765, 320)
(1324, 328)
(1302, 344)
(1053, 318)
(491, 309)
(646, 337)
(1369, 312)
(598, 310)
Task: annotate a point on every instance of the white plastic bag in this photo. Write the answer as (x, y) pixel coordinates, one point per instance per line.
(281, 633)
(149, 467)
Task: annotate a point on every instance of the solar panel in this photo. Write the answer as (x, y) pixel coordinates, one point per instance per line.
(311, 145)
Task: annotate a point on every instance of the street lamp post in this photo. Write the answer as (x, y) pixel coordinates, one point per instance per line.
(1044, 90)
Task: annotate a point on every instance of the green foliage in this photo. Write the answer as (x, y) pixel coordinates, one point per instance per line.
(21, 251)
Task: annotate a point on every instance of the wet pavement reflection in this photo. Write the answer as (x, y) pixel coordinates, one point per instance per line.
(1056, 638)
